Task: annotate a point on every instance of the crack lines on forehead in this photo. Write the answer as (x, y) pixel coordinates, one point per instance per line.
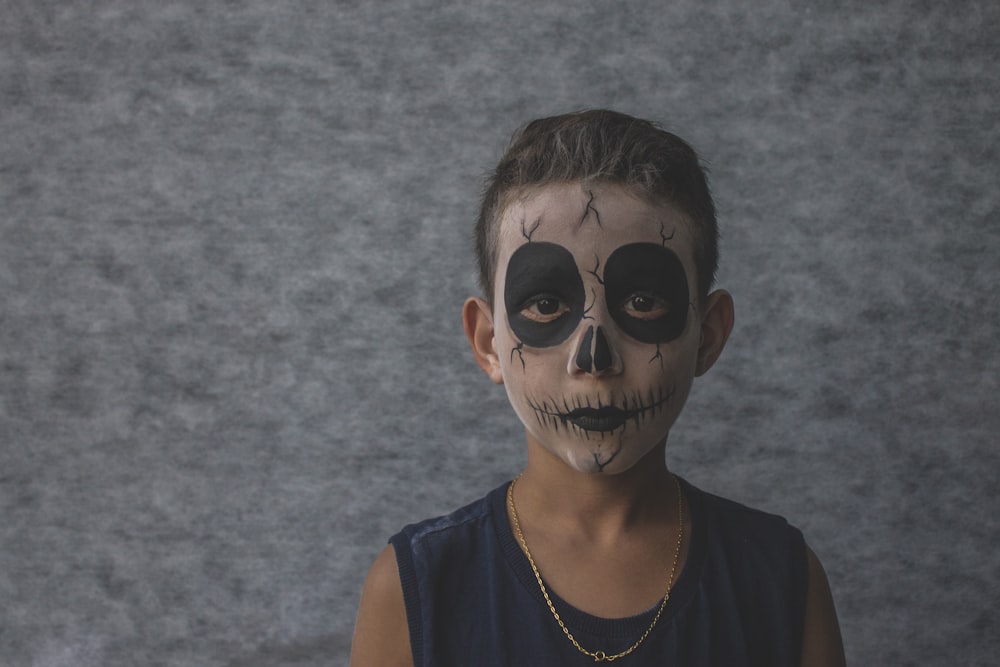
(528, 233)
(588, 209)
(663, 237)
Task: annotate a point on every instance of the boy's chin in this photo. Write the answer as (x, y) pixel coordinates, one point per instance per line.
(599, 458)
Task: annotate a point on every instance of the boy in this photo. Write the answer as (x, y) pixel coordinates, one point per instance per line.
(597, 248)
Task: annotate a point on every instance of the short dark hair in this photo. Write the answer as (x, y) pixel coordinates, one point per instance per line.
(601, 146)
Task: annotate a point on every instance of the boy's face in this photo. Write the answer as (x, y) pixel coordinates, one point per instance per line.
(595, 325)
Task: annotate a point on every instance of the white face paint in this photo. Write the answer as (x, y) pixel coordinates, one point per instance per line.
(594, 321)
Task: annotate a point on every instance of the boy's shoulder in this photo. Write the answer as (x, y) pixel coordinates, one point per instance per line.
(728, 507)
(737, 537)
(440, 557)
(469, 517)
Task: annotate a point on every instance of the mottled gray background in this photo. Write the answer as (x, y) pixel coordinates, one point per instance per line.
(235, 244)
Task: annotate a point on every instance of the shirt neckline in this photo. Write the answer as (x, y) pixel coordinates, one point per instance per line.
(582, 623)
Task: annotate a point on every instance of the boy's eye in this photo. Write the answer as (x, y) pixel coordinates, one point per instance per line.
(544, 308)
(645, 306)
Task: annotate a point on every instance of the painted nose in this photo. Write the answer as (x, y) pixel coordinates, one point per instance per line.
(595, 355)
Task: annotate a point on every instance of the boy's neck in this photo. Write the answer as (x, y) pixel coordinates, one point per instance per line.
(595, 504)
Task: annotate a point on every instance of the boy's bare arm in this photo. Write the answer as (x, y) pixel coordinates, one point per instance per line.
(381, 635)
(821, 642)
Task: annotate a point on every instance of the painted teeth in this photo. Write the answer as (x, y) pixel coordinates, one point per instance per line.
(603, 420)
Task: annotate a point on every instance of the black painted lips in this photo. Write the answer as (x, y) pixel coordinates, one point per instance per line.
(597, 419)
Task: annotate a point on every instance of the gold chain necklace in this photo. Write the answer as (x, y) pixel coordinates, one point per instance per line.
(600, 656)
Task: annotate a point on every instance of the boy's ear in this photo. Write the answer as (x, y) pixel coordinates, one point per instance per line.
(716, 324)
(477, 318)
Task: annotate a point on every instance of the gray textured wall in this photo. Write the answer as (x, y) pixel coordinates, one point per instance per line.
(235, 243)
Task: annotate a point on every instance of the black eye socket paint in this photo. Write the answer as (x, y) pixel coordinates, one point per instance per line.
(647, 268)
(535, 269)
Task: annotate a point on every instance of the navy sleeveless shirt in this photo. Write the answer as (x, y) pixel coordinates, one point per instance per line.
(472, 599)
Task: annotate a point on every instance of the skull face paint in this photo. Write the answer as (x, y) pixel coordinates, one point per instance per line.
(595, 329)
